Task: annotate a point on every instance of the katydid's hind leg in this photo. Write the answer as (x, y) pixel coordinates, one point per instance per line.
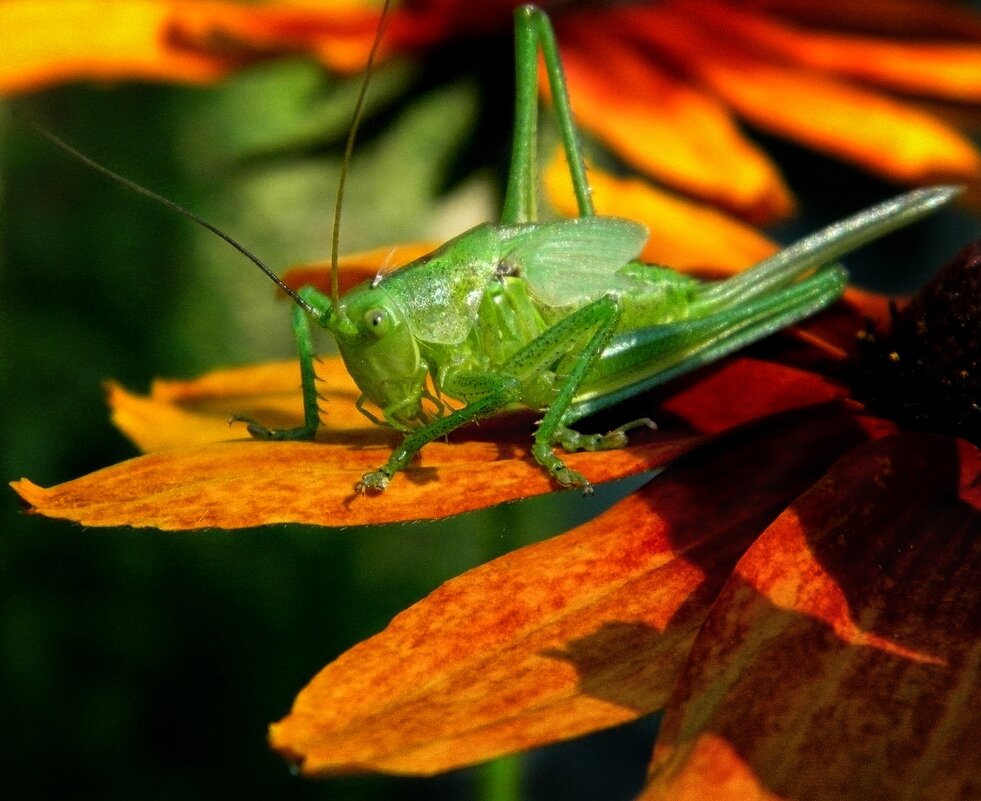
(308, 383)
(533, 34)
(600, 318)
(670, 350)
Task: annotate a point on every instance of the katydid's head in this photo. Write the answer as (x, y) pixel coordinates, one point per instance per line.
(379, 351)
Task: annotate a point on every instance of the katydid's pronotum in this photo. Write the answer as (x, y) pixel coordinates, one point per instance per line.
(559, 316)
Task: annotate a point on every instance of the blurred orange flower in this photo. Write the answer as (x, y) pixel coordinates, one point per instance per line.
(661, 84)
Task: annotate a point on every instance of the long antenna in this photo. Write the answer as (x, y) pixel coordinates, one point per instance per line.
(348, 152)
(170, 204)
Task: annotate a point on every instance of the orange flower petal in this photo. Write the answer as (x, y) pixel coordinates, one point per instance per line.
(663, 125)
(935, 18)
(197, 465)
(204, 463)
(577, 633)
(831, 337)
(721, 243)
(187, 41)
(42, 43)
(339, 34)
(177, 414)
(948, 70)
(742, 390)
(313, 483)
(842, 659)
(867, 128)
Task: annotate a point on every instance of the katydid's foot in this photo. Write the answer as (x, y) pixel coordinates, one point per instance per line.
(259, 431)
(375, 481)
(565, 476)
(572, 440)
(573, 480)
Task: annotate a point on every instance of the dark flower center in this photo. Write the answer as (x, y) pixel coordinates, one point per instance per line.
(925, 373)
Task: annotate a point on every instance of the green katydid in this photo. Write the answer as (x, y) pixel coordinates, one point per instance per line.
(556, 316)
(559, 316)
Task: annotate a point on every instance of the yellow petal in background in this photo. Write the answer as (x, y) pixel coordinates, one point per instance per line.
(49, 41)
(338, 34)
(52, 41)
(885, 136)
(196, 412)
(683, 234)
(950, 70)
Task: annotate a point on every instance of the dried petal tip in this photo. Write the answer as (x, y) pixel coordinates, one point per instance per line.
(925, 372)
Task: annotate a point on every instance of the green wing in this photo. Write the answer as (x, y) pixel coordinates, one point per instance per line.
(574, 260)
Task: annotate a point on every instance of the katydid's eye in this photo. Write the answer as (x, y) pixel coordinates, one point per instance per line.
(376, 321)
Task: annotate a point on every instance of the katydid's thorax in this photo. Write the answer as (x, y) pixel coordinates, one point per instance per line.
(507, 319)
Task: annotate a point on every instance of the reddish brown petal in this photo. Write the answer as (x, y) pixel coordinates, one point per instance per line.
(577, 633)
(933, 18)
(742, 390)
(858, 308)
(663, 125)
(826, 343)
(842, 659)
